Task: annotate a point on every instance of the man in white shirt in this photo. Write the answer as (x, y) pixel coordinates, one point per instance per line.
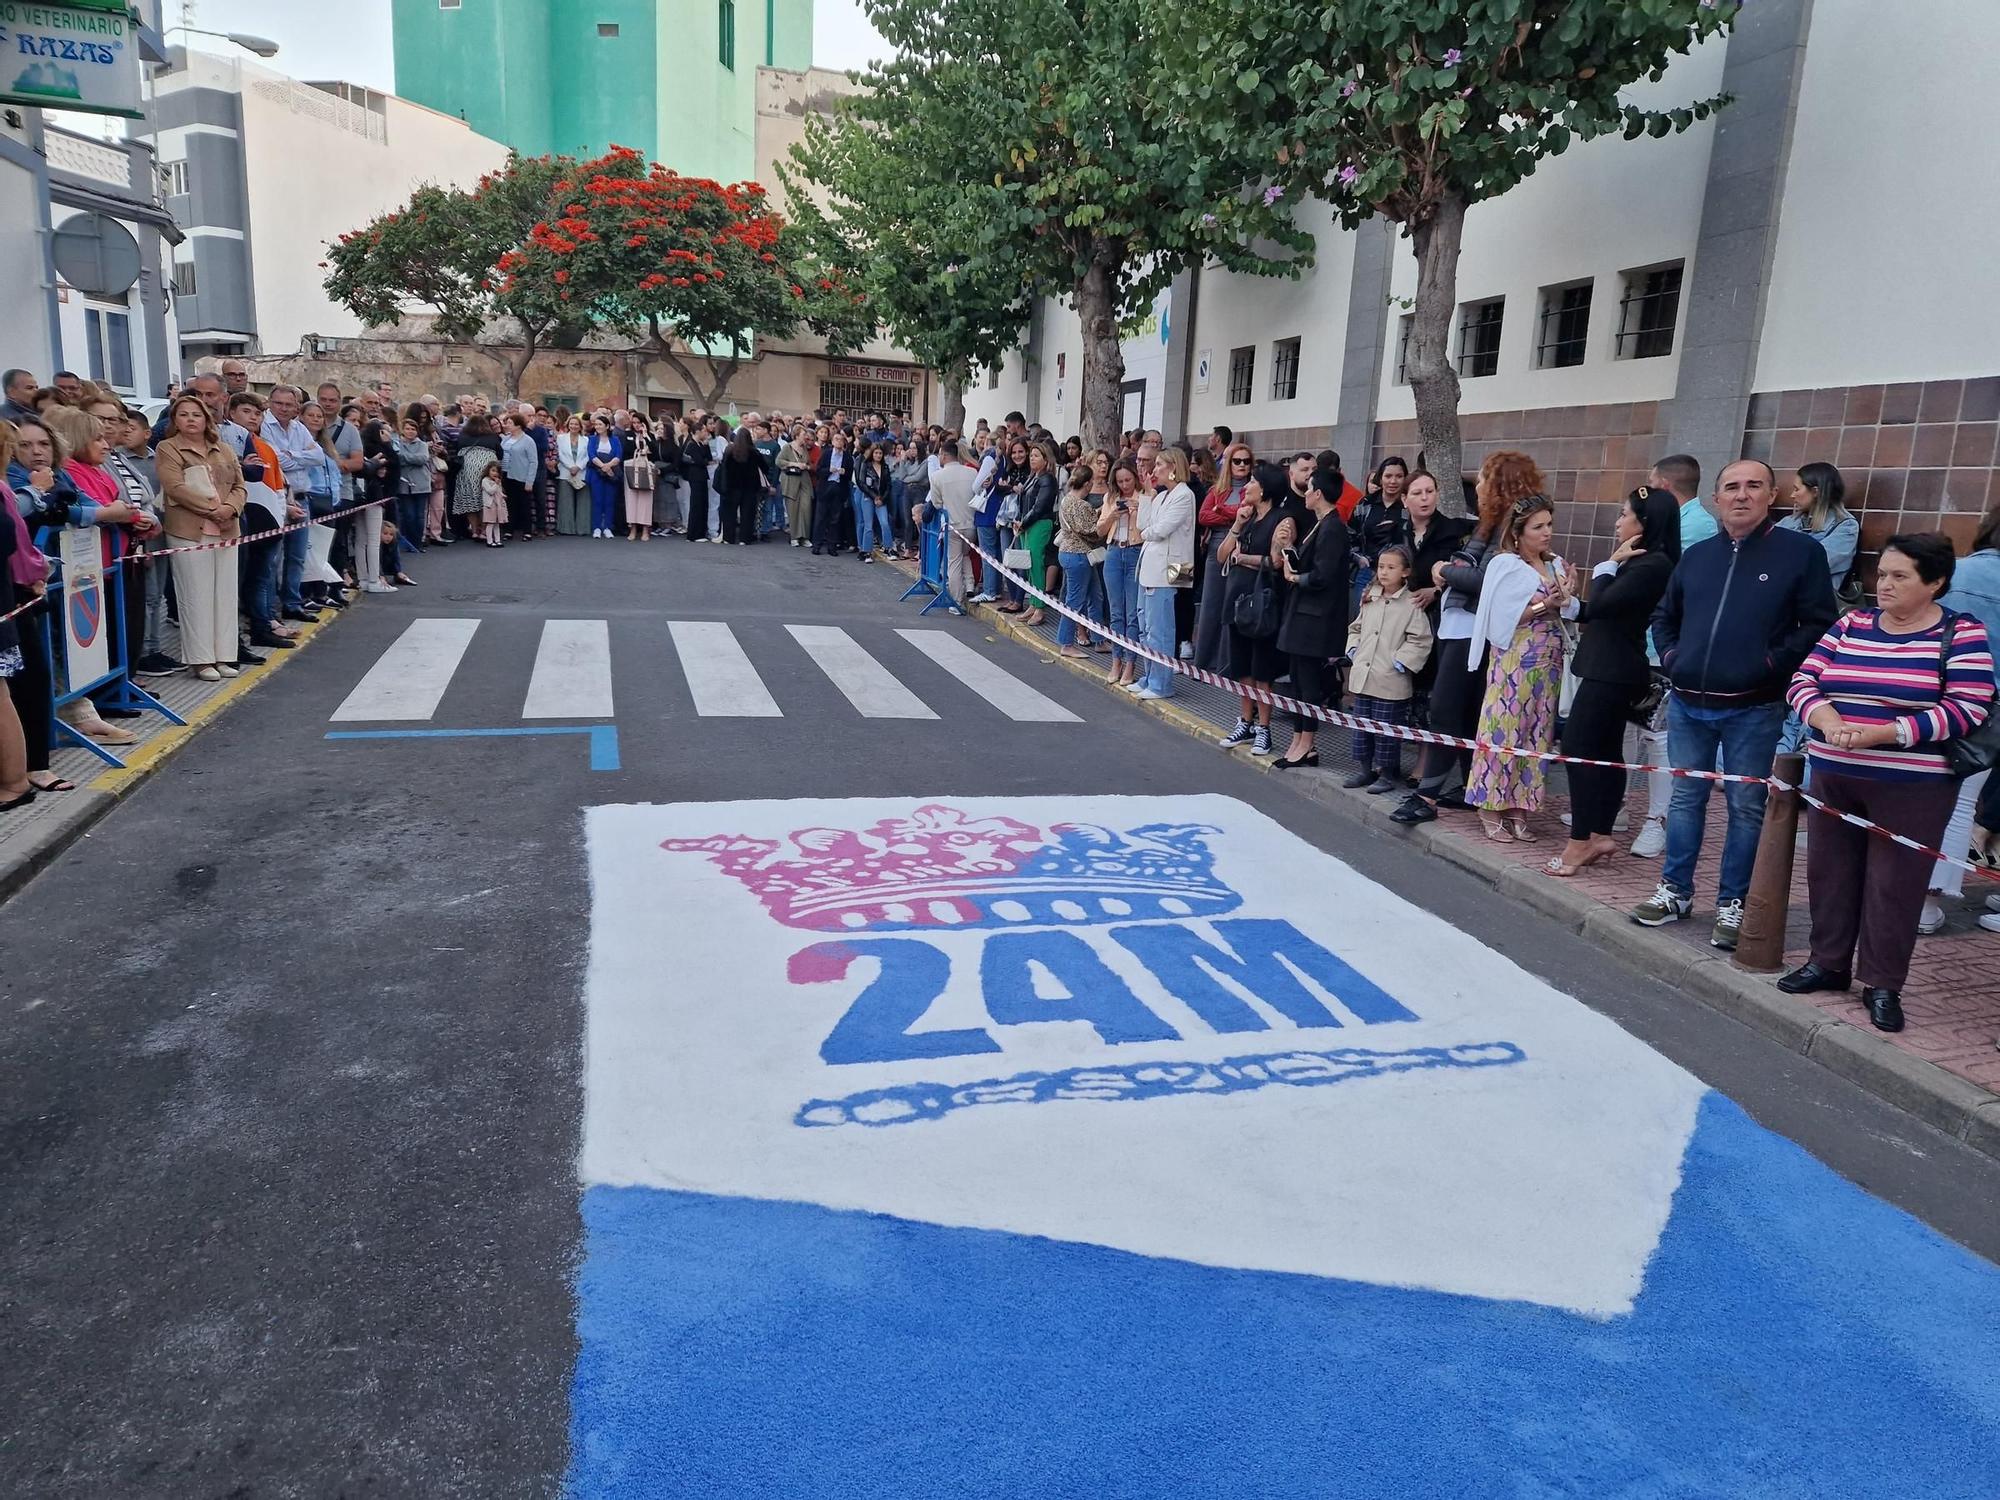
(298, 461)
(951, 491)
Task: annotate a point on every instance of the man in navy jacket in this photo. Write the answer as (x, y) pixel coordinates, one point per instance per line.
(1740, 613)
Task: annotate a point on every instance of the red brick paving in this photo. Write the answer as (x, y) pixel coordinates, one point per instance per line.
(1951, 1001)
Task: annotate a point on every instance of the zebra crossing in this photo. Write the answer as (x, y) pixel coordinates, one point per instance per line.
(571, 675)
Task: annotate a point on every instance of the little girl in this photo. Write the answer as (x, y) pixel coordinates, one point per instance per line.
(492, 506)
(1387, 646)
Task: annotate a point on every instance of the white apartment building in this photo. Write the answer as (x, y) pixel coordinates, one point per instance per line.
(1807, 275)
(262, 171)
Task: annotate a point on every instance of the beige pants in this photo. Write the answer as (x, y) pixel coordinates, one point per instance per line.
(205, 584)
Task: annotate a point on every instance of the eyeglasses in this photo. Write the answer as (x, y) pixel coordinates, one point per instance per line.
(1239, 463)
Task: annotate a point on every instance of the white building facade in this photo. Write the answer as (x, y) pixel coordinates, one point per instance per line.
(1808, 275)
(264, 171)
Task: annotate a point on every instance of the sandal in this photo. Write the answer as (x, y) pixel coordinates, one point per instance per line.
(60, 784)
(1518, 831)
(1555, 866)
(1496, 830)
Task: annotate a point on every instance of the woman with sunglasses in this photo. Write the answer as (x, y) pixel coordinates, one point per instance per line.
(1217, 515)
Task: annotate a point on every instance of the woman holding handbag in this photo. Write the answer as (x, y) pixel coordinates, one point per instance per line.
(1315, 627)
(1077, 548)
(1036, 522)
(641, 474)
(664, 449)
(795, 480)
(1166, 565)
(1882, 695)
(1253, 599)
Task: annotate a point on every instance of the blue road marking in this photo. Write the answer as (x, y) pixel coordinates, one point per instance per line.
(603, 737)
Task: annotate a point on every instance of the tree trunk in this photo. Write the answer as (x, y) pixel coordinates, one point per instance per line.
(1103, 402)
(517, 363)
(951, 399)
(1433, 381)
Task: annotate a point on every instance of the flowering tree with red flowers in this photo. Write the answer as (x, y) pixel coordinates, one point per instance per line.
(445, 250)
(686, 264)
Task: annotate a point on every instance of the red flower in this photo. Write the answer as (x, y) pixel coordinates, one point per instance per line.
(680, 281)
(699, 277)
(562, 278)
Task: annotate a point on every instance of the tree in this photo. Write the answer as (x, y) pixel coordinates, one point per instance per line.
(444, 248)
(655, 255)
(1034, 134)
(910, 245)
(1416, 109)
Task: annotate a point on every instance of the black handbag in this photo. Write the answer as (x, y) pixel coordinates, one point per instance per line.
(1968, 754)
(1255, 614)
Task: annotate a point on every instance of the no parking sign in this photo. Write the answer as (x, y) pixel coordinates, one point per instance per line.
(85, 634)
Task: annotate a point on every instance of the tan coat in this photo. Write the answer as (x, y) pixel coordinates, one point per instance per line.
(1386, 632)
(186, 509)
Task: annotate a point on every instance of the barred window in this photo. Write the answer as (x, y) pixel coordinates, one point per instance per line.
(1562, 337)
(1648, 311)
(1242, 374)
(866, 395)
(726, 27)
(1479, 336)
(1285, 370)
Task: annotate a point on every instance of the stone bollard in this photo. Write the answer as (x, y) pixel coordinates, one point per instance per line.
(1761, 946)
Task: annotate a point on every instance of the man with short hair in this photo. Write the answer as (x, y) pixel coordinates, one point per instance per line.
(385, 392)
(235, 377)
(1680, 473)
(1740, 613)
(264, 487)
(69, 386)
(18, 388)
(298, 453)
(951, 489)
(1220, 439)
(766, 442)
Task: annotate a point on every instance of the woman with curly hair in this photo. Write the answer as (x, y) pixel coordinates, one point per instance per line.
(1505, 478)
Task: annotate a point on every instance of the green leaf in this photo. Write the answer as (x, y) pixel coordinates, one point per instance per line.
(1247, 80)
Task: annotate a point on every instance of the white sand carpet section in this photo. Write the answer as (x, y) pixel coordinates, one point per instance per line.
(1545, 1180)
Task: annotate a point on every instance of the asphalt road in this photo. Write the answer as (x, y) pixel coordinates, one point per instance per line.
(290, 1087)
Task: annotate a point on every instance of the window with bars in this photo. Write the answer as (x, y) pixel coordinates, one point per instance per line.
(1408, 325)
(725, 20)
(1285, 370)
(858, 396)
(1562, 334)
(1242, 374)
(1648, 311)
(1479, 336)
(184, 282)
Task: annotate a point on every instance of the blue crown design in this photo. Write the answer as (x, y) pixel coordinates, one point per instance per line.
(941, 868)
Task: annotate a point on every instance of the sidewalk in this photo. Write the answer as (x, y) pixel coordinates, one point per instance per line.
(32, 837)
(1943, 1067)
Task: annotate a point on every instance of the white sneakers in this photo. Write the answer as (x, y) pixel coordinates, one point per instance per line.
(1931, 919)
(1652, 840)
(378, 587)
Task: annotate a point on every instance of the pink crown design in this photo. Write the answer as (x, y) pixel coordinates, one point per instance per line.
(940, 867)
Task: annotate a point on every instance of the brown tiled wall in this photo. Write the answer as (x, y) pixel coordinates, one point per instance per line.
(1593, 457)
(1918, 456)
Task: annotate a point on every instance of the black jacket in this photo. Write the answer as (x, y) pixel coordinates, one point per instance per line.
(1614, 618)
(1376, 524)
(1315, 622)
(1444, 537)
(1466, 572)
(823, 473)
(1737, 618)
(694, 466)
(1038, 500)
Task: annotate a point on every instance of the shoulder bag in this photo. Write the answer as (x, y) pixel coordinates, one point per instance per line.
(1256, 610)
(1968, 754)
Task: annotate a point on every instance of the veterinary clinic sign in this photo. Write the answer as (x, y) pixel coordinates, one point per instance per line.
(81, 57)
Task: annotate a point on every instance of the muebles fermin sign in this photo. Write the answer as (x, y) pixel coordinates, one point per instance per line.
(81, 57)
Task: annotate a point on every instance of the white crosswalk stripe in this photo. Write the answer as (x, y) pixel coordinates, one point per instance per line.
(997, 686)
(871, 687)
(411, 676)
(719, 676)
(572, 676)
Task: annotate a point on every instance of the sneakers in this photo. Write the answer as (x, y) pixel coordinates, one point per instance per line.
(1931, 919)
(1261, 743)
(1186, 652)
(1240, 735)
(378, 587)
(1665, 905)
(1359, 780)
(1150, 695)
(1652, 840)
(1728, 925)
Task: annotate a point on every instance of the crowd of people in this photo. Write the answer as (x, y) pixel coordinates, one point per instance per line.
(1720, 629)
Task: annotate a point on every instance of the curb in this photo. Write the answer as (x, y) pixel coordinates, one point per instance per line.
(84, 808)
(1960, 1109)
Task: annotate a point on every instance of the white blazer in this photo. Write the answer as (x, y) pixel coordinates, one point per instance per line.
(1166, 532)
(572, 453)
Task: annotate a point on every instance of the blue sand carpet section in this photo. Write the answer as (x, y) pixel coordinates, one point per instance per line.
(1794, 1338)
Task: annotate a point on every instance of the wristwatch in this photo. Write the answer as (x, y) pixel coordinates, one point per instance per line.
(1905, 735)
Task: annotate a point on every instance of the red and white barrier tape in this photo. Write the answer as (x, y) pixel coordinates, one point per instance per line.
(1431, 737)
(234, 541)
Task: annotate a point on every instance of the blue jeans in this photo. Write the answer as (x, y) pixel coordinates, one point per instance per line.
(262, 562)
(410, 508)
(1157, 606)
(989, 543)
(292, 576)
(1746, 738)
(1076, 595)
(864, 523)
(1121, 590)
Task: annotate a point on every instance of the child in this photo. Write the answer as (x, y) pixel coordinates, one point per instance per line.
(492, 506)
(1387, 645)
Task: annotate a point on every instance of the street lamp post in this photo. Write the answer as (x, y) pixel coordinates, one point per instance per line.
(263, 46)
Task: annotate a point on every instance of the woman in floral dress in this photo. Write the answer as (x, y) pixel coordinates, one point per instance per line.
(1527, 591)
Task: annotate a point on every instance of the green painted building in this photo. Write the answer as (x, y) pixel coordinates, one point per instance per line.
(676, 79)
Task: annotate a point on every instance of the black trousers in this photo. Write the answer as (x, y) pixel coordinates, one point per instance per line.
(1455, 711)
(739, 515)
(697, 508)
(831, 508)
(1595, 729)
(32, 687)
(1310, 682)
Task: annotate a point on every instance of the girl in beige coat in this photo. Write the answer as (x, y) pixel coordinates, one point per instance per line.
(1387, 645)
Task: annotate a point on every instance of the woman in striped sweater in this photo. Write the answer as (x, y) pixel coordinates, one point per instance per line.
(1880, 694)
